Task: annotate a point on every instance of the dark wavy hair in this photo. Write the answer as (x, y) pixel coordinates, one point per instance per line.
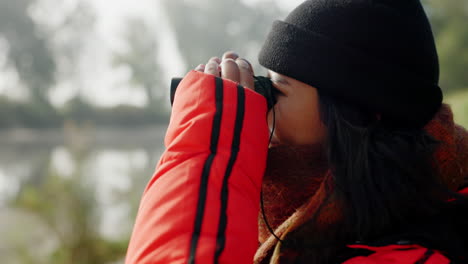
(384, 177)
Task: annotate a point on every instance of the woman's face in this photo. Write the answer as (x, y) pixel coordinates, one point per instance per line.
(297, 118)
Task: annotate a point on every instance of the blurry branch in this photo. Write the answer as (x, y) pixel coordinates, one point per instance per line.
(209, 27)
(70, 41)
(29, 51)
(140, 57)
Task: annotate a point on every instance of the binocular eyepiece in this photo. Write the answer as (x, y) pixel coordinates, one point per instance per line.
(262, 85)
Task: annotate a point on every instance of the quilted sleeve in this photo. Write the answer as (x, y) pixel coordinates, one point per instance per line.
(202, 203)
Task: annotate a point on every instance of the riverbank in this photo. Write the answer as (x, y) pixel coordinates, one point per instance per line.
(86, 134)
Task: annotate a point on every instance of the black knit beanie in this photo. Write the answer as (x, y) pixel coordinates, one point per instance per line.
(377, 54)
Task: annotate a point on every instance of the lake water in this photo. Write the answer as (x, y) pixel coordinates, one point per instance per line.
(68, 195)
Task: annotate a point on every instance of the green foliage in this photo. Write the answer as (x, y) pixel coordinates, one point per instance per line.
(27, 114)
(459, 103)
(36, 115)
(450, 26)
(121, 115)
(29, 52)
(67, 206)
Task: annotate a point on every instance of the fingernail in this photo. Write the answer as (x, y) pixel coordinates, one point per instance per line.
(245, 63)
(218, 60)
(231, 54)
(200, 67)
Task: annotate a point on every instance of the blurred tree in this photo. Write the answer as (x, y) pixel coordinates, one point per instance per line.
(217, 26)
(43, 51)
(71, 39)
(29, 51)
(449, 20)
(67, 206)
(141, 58)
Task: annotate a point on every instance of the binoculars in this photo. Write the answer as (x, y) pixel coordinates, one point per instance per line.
(262, 85)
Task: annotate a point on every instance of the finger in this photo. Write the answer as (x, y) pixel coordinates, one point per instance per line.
(246, 73)
(230, 70)
(248, 62)
(200, 68)
(217, 59)
(230, 55)
(212, 67)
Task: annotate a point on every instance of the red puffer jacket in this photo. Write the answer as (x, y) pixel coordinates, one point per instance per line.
(202, 203)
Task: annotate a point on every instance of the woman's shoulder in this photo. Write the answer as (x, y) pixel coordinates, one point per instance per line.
(398, 254)
(429, 242)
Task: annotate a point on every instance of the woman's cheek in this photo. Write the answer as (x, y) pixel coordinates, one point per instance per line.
(277, 118)
(287, 124)
(302, 123)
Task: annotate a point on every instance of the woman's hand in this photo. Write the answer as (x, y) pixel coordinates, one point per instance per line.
(230, 67)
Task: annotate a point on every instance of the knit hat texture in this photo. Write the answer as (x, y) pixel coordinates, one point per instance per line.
(377, 54)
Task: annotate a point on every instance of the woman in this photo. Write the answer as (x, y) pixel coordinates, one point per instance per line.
(364, 164)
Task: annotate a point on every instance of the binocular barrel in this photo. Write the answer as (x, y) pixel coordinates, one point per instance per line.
(174, 83)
